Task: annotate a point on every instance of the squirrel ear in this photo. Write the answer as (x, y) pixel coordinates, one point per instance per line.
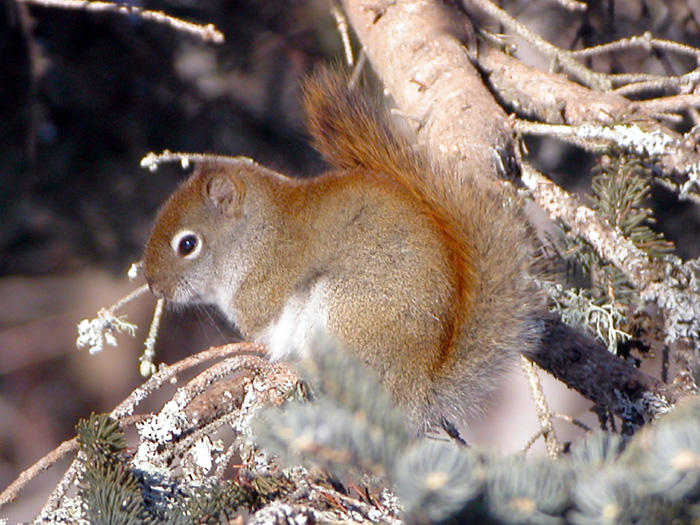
(225, 194)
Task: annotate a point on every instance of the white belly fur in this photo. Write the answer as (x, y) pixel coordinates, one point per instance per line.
(290, 334)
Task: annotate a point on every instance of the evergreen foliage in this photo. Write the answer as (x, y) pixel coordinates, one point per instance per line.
(619, 190)
(110, 491)
(620, 187)
(436, 480)
(354, 423)
(212, 504)
(654, 478)
(113, 493)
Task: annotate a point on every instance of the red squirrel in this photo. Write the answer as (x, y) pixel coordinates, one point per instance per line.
(420, 271)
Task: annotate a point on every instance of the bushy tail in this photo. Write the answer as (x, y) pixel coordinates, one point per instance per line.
(488, 239)
(354, 130)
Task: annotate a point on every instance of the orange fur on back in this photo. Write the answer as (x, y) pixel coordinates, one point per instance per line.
(352, 131)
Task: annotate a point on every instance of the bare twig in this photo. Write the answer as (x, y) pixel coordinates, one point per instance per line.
(342, 24)
(544, 415)
(10, 493)
(166, 373)
(572, 5)
(208, 33)
(620, 79)
(645, 41)
(681, 84)
(128, 298)
(147, 367)
(357, 70)
(532, 441)
(560, 57)
(152, 160)
(572, 420)
(666, 104)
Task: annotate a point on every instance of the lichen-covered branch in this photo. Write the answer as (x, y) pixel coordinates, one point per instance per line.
(585, 223)
(554, 99)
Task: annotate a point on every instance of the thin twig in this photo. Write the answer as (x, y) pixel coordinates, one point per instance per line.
(531, 441)
(147, 367)
(645, 41)
(572, 420)
(544, 414)
(357, 70)
(667, 104)
(679, 83)
(572, 5)
(152, 160)
(561, 57)
(166, 373)
(208, 32)
(128, 298)
(619, 79)
(342, 24)
(10, 493)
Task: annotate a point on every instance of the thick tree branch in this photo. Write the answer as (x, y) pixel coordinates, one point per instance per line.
(587, 366)
(554, 99)
(425, 67)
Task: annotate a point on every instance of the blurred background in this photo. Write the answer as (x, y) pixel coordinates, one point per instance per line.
(84, 96)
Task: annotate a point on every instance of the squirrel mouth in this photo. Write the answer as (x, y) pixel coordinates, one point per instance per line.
(175, 294)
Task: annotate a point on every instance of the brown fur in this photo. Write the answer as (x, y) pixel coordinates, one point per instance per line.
(498, 307)
(418, 270)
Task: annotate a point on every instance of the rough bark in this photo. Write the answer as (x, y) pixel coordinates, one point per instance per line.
(425, 66)
(588, 367)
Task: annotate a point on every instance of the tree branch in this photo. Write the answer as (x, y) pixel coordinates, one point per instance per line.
(608, 381)
(554, 99)
(426, 69)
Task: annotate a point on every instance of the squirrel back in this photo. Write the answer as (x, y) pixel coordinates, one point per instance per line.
(499, 306)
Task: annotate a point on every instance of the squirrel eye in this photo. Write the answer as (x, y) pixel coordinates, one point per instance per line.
(186, 244)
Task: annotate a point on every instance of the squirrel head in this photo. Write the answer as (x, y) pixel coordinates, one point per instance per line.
(203, 219)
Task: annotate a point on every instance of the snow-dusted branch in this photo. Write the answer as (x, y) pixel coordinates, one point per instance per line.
(208, 32)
